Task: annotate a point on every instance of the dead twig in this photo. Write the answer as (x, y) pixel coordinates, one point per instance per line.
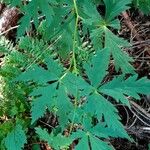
(131, 26)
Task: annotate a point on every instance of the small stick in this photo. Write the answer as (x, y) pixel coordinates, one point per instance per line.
(130, 26)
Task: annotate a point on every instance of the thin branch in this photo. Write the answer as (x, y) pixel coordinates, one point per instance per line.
(131, 26)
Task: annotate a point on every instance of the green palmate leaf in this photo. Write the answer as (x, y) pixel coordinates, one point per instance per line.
(115, 7)
(88, 140)
(54, 67)
(44, 135)
(99, 31)
(62, 25)
(65, 44)
(66, 32)
(54, 94)
(32, 12)
(97, 38)
(25, 24)
(15, 139)
(63, 105)
(101, 130)
(115, 24)
(90, 13)
(121, 59)
(32, 75)
(92, 20)
(57, 142)
(54, 99)
(96, 69)
(75, 85)
(83, 143)
(96, 143)
(53, 73)
(97, 105)
(118, 88)
(40, 103)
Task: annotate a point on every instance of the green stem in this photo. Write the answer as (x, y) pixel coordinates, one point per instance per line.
(63, 76)
(75, 70)
(76, 8)
(74, 38)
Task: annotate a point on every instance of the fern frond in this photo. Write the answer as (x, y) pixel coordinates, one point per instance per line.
(5, 45)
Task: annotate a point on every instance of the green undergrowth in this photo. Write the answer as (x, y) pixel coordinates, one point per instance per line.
(59, 70)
